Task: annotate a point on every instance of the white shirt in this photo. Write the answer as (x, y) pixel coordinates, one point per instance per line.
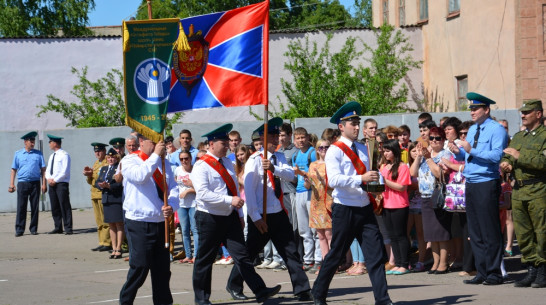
(342, 176)
(61, 168)
(141, 202)
(211, 190)
(253, 180)
(181, 176)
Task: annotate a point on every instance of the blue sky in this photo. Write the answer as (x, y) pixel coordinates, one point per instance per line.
(112, 12)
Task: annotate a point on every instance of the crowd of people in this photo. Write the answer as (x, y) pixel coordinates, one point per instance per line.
(452, 200)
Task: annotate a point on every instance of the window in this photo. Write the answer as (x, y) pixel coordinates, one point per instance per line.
(402, 12)
(423, 10)
(462, 89)
(454, 6)
(385, 11)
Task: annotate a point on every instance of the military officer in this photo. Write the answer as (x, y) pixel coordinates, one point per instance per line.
(219, 219)
(276, 227)
(29, 165)
(119, 145)
(103, 230)
(525, 157)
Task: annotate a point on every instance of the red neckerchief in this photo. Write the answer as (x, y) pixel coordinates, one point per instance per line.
(357, 163)
(157, 175)
(210, 160)
(272, 179)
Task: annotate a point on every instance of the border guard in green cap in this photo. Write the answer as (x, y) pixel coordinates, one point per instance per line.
(58, 179)
(29, 166)
(482, 152)
(525, 157)
(219, 219)
(92, 174)
(348, 170)
(276, 227)
(119, 146)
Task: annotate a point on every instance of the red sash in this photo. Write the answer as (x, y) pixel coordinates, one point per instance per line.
(210, 160)
(157, 175)
(272, 179)
(358, 164)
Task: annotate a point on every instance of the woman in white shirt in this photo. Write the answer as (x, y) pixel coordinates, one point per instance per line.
(186, 212)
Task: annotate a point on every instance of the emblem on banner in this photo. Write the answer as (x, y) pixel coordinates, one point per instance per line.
(152, 81)
(189, 66)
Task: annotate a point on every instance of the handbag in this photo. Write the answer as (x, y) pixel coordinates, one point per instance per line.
(455, 194)
(439, 193)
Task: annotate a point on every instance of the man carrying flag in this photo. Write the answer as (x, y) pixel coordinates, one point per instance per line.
(219, 219)
(145, 220)
(276, 227)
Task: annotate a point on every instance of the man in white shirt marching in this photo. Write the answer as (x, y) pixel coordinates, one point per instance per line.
(145, 220)
(352, 210)
(219, 219)
(58, 177)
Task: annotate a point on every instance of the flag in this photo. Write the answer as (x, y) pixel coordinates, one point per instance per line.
(227, 65)
(147, 49)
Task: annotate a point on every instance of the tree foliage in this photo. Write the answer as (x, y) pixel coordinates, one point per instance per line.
(323, 81)
(283, 14)
(100, 103)
(20, 18)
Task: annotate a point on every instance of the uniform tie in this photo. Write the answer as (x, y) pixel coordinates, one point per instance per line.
(277, 181)
(476, 137)
(52, 163)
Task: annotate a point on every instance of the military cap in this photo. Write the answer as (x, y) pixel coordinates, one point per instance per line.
(477, 99)
(54, 138)
(255, 135)
(347, 112)
(220, 133)
(117, 142)
(30, 135)
(531, 105)
(111, 152)
(273, 126)
(98, 146)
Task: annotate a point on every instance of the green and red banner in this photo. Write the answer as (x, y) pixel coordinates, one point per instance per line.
(147, 50)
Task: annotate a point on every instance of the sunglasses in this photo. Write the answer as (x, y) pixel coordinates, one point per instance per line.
(184, 159)
(435, 138)
(323, 147)
(463, 133)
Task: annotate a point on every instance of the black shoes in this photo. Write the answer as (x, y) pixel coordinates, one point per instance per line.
(202, 302)
(56, 231)
(490, 282)
(304, 296)
(320, 302)
(237, 296)
(102, 248)
(540, 281)
(68, 233)
(528, 279)
(97, 248)
(18, 234)
(474, 281)
(266, 292)
(34, 233)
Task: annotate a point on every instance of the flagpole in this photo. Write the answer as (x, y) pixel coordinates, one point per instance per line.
(266, 104)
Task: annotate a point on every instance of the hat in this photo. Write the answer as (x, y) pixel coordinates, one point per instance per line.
(30, 135)
(255, 135)
(531, 105)
(273, 126)
(220, 133)
(111, 152)
(98, 146)
(348, 111)
(116, 142)
(54, 138)
(478, 100)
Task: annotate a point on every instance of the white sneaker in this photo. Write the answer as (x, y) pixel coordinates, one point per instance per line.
(177, 231)
(227, 261)
(273, 265)
(220, 261)
(263, 265)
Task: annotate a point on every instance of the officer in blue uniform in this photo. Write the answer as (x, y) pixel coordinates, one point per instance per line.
(29, 166)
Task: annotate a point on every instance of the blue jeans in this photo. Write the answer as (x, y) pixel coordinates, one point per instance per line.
(356, 251)
(187, 222)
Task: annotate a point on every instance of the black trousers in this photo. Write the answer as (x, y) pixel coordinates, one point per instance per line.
(26, 191)
(348, 223)
(396, 221)
(214, 230)
(280, 233)
(468, 256)
(482, 214)
(148, 253)
(61, 210)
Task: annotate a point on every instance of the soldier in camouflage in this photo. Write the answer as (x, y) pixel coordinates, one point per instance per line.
(526, 159)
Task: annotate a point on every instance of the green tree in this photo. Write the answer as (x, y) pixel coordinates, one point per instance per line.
(20, 18)
(363, 13)
(323, 81)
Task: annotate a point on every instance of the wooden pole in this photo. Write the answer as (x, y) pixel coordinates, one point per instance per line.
(266, 102)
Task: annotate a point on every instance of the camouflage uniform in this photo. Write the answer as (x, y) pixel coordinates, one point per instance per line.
(529, 195)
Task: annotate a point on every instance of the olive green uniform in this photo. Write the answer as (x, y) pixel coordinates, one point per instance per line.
(96, 199)
(529, 194)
